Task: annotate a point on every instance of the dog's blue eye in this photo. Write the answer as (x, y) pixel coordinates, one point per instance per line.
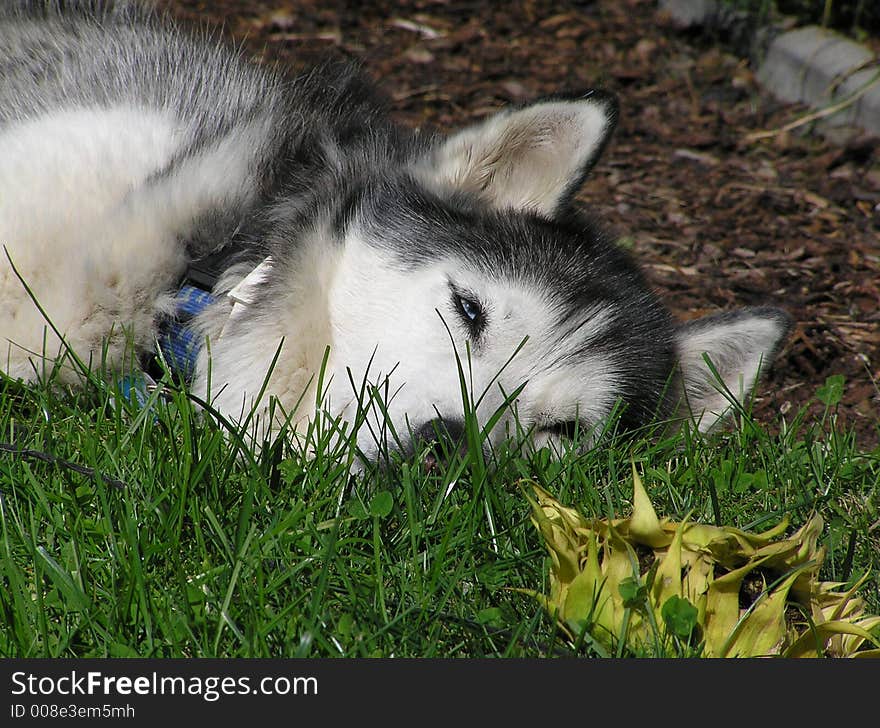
(471, 312)
(469, 308)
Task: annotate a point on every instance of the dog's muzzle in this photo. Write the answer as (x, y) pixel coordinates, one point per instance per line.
(440, 440)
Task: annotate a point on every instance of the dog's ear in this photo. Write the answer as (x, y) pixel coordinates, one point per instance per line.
(739, 345)
(532, 158)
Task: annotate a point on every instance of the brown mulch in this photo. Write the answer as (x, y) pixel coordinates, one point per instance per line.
(717, 221)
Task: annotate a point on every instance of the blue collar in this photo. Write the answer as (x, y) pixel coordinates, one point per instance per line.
(179, 343)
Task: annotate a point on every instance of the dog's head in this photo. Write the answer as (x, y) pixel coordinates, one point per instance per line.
(465, 275)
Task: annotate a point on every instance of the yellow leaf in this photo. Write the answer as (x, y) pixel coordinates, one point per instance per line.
(583, 592)
(761, 630)
(815, 639)
(722, 609)
(667, 579)
(644, 525)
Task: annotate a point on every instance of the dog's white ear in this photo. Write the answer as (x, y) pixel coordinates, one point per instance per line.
(533, 158)
(738, 344)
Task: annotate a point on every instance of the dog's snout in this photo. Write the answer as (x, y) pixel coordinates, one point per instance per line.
(442, 437)
(440, 430)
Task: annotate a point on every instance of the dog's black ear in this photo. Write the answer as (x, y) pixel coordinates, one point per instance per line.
(531, 158)
(739, 344)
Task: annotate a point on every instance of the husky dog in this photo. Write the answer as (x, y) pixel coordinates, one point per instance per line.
(352, 255)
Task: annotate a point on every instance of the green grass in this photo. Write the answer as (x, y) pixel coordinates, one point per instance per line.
(151, 532)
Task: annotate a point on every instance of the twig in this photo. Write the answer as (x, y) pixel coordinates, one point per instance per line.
(425, 31)
(53, 460)
(815, 115)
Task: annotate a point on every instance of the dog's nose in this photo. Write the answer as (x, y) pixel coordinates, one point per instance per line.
(442, 437)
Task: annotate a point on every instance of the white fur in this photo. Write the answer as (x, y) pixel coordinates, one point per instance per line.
(63, 177)
(236, 363)
(93, 236)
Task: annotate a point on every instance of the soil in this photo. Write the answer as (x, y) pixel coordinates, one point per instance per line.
(717, 220)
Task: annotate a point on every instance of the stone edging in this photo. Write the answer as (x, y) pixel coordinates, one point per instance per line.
(809, 65)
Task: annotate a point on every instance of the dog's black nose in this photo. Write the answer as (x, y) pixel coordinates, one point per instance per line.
(442, 437)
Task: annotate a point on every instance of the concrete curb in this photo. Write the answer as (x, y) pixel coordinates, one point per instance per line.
(809, 65)
(818, 67)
